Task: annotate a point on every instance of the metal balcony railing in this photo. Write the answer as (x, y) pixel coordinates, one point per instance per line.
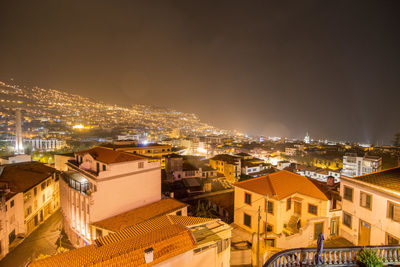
(334, 256)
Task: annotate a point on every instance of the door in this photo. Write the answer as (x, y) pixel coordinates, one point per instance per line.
(318, 229)
(297, 207)
(334, 227)
(364, 234)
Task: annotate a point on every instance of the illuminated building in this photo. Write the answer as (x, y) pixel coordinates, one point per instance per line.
(307, 139)
(46, 144)
(355, 166)
(101, 183)
(30, 194)
(228, 165)
(155, 152)
(293, 210)
(371, 208)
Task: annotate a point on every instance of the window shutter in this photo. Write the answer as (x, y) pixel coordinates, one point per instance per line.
(396, 213)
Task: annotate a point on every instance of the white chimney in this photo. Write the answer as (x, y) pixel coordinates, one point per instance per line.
(148, 255)
(171, 194)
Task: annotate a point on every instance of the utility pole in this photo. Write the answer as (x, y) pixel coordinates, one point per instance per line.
(258, 238)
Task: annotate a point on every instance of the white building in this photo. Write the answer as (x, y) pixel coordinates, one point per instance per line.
(15, 159)
(102, 183)
(29, 195)
(45, 144)
(371, 208)
(355, 166)
(307, 139)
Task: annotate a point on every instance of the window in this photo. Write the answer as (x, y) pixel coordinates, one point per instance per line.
(347, 219)
(12, 203)
(269, 227)
(288, 204)
(247, 198)
(44, 198)
(270, 242)
(391, 240)
(179, 213)
(247, 220)
(141, 165)
(312, 209)
(365, 200)
(269, 207)
(348, 193)
(35, 191)
(28, 211)
(48, 182)
(393, 211)
(104, 167)
(99, 233)
(97, 167)
(43, 185)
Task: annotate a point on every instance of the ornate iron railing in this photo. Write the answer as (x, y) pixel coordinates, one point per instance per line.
(334, 256)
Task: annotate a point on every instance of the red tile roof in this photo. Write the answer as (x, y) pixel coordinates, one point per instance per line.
(21, 177)
(166, 243)
(138, 215)
(282, 184)
(109, 156)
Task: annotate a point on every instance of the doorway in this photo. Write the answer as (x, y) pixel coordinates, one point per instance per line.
(334, 227)
(297, 207)
(364, 234)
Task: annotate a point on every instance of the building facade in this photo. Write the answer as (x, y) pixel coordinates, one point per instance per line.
(30, 194)
(355, 166)
(101, 183)
(371, 208)
(292, 209)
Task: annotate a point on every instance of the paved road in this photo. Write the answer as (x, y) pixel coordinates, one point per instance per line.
(44, 240)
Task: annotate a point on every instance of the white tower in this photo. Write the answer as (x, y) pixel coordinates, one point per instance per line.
(19, 149)
(307, 139)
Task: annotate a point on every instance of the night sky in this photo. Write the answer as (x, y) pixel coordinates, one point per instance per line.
(331, 68)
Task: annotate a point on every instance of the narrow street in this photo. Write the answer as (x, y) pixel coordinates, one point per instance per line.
(44, 240)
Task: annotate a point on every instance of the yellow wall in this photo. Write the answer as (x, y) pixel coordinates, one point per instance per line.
(280, 215)
(228, 170)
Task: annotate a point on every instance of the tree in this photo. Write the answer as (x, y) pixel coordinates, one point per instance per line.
(204, 210)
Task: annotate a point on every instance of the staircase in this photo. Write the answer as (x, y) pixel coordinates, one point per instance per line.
(293, 223)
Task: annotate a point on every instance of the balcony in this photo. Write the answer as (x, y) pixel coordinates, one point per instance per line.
(333, 256)
(76, 181)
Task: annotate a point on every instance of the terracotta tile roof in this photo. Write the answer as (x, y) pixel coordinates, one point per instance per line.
(166, 243)
(21, 177)
(135, 216)
(282, 184)
(389, 178)
(109, 156)
(156, 223)
(189, 220)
